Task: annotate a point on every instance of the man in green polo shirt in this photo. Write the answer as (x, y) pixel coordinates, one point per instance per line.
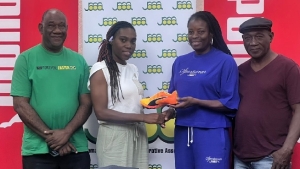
(49, 89)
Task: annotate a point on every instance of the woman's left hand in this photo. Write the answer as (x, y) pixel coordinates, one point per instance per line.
(184, 102)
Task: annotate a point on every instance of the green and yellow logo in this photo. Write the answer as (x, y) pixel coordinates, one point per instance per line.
(94, 6)
(138, 21)
(183, 5)
(108, 21)
(139, 54)
(168, 21)
(154, 131)
(88, 135)
(155, 166)
(154, 5)
(153, 69)
(93, 166)
(168, 53)
(122, 6)
(66, 67)
(181, 37)
(166, 134)
(164, 85)
(153, 38)
(144, 84)
(96, 38)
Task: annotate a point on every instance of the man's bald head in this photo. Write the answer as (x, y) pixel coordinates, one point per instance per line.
(53, 29)
(53, 12)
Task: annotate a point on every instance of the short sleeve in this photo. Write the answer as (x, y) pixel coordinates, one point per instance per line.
(84, 79)
(229, 93)
(21, 84)
(136, 70)
(172, 85)
(97, 66)
(292, 84)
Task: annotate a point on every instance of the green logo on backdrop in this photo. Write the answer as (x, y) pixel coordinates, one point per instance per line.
(168, 21)
(144, 84)
(93, 166)
(94, 6)
(181, 37)
(183, 5)
(153, 5)
(123, 6)
(95, 38)
(155, 166)
(139, 54)
(153, 38)
(164, 85)
(168, 53)
(138, 21)
(108, 21)
(153, 69)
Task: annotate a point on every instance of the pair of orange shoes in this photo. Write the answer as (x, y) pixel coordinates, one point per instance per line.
(160, 99)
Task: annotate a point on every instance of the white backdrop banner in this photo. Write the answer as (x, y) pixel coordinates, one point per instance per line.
(161, 28)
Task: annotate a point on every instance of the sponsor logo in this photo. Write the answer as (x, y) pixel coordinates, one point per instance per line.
(144, 84)
(95, 38)
(168, 21)
(66, 67)
(88, 135)
(237, 11)
(153, 69)
(155, 166)
(153, 38)
(153, 5)
(10, 35)
(56, 67)
(108, 21)
(183, 5)
(15, 119)
(164, 85)
(154, 131)
(191, 72)
(138, 21)
(122, 6)
(160, 150)
(181, 37)
(168, 53)
(166, 134)
(139, 54)
(93, 166)
(94, 6)
(213, 160)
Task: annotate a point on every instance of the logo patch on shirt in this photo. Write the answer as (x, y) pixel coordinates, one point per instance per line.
(191, 72)
(66, 67)
(213, 160)
(46, 67)
(56, 67)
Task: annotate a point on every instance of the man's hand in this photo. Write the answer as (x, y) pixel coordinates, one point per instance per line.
(67, 149)
(56, 138)
(281, 159)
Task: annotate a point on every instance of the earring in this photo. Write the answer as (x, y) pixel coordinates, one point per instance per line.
(212, 41)
(111, 38)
